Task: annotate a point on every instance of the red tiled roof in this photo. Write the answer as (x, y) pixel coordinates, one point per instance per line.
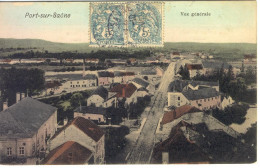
(6, 60)
(249, 56)
(68, 153)
(178, 112)
(194, 66)
(124, 90)
(52, 84)
(175, 53)
(86, 126)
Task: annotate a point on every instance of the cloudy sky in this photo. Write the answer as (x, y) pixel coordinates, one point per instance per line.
(229, 21)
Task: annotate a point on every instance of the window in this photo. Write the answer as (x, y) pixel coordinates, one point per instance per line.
(99, 119)
(21, 150)
(70, 157)
(70, 85)
(70, 82)
(179, 104)
(9, 151)
(204, 100)
(179, 98)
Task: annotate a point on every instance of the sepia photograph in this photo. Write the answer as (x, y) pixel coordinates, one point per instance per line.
(128, 82)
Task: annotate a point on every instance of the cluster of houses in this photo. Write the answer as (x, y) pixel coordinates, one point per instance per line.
(47, 60)
(200, 94)
(103, 98)
(195, 132)
(58, 83)
(206, 67)
(29, 134)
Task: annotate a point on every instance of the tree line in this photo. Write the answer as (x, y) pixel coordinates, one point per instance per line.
(29, 81)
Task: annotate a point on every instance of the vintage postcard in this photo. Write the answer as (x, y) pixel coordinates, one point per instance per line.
(128, 82)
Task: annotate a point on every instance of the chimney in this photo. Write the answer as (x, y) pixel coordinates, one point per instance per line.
(5, 105)
(65, 121)
(18, 97)
(22, 96)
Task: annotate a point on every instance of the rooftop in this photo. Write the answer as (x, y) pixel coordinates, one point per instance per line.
(23, 119)
(178, 85)
(124, 90)
(73, 77)
(215, 64)
(178, 112)
(77, 153)
(86, 126)
(105, 74)
(141, 82)
(201, 93)
(194, 66)
(101, 91)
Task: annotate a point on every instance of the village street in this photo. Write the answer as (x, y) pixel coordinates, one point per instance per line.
(142, 150)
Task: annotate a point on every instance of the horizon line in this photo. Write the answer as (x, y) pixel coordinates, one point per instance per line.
(164, 42)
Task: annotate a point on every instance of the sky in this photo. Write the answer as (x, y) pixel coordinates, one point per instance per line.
(229, 21)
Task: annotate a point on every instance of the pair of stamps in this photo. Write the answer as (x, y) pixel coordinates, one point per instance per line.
(126, 24)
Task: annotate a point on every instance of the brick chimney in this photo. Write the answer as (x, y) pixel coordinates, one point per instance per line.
(5, 105)
(18, 97)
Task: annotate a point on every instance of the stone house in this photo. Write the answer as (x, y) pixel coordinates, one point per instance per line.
(25, 128)
(84, 132)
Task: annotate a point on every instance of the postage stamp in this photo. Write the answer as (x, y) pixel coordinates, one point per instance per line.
(126, 24)
(145, 24)
(107, 24)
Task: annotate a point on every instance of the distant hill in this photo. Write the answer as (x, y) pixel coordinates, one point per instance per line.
(219, 50)
(42, 45)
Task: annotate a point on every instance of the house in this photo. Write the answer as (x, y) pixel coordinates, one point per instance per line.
(125, 91)
(152, 74)
(5, 61)
(105, 78)
(116, 61)
(169, 116)
(139, 83)
(226, 101)
(212, 66)
(132, 61)
(195, 69)
(95, 114)
(249, 58)
(25, 128)
(198, 138)
(52, 86)
(92, 60)
(163, 131)
(101, 98)
(75, 81)
(69, 153)
(183, 85)
(123, 77)
(84, 132)
(203, 99)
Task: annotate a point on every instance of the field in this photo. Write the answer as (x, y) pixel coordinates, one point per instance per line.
(225, 51)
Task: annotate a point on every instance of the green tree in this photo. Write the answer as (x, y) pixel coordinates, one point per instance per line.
(76, 100)
(184, 72)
